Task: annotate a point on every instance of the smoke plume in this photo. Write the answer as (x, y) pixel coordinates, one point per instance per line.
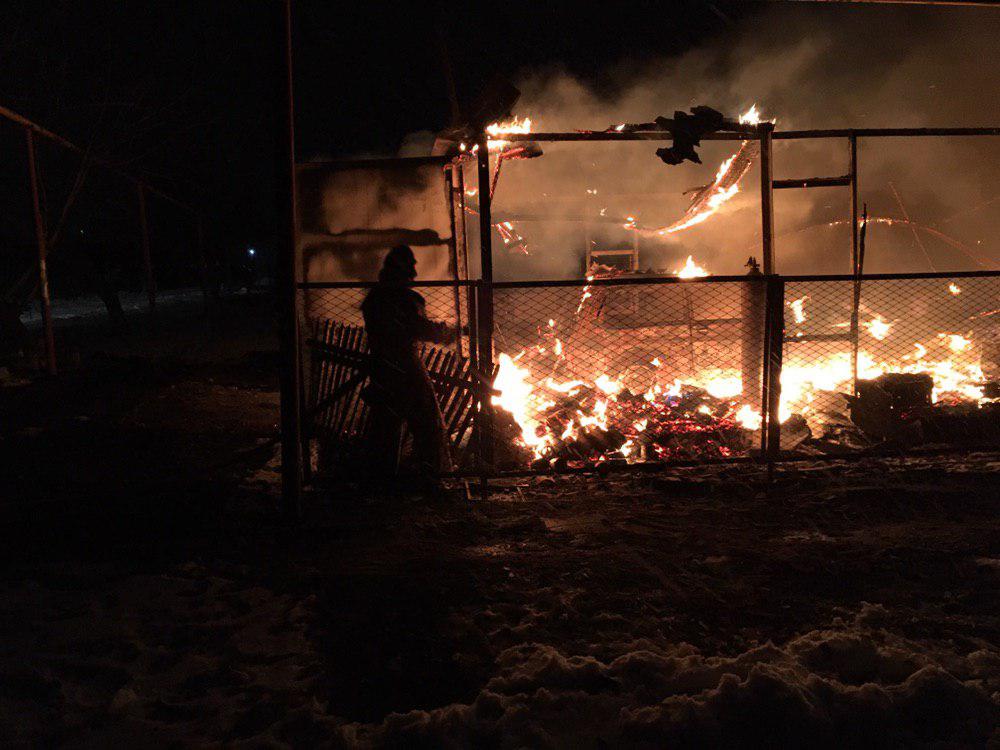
(806, 68)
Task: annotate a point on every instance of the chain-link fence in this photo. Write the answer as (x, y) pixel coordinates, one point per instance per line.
(632, 369)
(335, 370)
(901, 361)
(655, 371)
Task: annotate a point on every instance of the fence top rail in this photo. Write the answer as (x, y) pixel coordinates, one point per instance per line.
(892, 276)
(666, 135)
(372, 284)
(623, 281)
(659, 279)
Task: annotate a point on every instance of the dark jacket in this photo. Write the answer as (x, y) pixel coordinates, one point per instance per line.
(396, 320)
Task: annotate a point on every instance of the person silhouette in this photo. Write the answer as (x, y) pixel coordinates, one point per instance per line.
(400, 390)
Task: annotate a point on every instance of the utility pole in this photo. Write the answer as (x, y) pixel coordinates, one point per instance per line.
(291, 434)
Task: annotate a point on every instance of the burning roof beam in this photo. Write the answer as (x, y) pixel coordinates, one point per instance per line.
(754, 132)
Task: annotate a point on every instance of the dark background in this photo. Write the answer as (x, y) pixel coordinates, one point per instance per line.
(182, 93)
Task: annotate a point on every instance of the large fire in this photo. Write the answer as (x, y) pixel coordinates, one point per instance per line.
(646, 412)
(569, 401)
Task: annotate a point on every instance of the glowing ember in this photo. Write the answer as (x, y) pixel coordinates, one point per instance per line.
(749, 417)
(555, 417)
(954, 288)
(585, 296)
(690, 270)
(956, 342)
(609, 386)
(797, 305)
(878, 328)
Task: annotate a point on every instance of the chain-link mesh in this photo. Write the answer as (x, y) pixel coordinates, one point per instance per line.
(625, 372)
(334, 369)
(631, 370)
(926, 351)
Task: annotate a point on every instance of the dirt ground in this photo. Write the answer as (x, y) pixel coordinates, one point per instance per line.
(150, 594)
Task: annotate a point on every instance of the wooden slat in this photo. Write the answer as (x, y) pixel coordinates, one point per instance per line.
(320, 330)
(448, 408)
(327, 376)
(469, 413)
(454, 408)
(341, 359)
(338, 376)
(346, 412)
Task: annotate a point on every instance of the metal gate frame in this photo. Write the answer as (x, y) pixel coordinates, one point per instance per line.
(483, 317)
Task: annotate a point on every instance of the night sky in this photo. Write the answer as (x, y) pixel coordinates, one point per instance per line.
(182, 93)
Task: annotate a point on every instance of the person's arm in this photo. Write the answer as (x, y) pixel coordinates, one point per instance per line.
(425, 329)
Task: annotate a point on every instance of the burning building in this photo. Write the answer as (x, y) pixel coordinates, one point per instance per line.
(632, 361)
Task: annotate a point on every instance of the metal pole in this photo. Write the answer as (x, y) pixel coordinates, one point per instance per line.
(485, 308)
(291, 433)
(464, 257)
(43, 273)
(855, 265)
(753, 313)
(775, 355)
(449, 173)
(147, 260)
(767, 197)
(970, 3)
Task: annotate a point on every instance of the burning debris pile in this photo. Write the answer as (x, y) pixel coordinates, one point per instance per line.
(576, 423)
(582, 394)
(597, 405)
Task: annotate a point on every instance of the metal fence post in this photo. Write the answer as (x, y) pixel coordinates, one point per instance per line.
(855, 266)
(291, 417)
(774, 340)
(753, 309)
(485, 313)
(766, 130)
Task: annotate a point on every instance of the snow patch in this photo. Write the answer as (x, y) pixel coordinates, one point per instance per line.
(824, 688)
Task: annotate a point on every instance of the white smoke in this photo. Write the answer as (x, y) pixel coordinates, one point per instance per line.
(850, 67)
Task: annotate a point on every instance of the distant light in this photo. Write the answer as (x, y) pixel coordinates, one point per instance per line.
(251, 252)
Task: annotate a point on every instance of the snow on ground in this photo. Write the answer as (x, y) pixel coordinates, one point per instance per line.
(150, 595)
(850, 683)
(90, 307)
